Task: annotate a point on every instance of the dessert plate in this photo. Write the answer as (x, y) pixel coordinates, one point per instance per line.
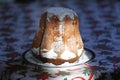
(86, 57)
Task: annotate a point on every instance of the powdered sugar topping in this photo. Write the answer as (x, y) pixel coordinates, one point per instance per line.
(60, 12)
(67, 55)
(50, 54)
(58, 44)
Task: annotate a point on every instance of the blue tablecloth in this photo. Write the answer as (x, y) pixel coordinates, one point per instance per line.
(99, 27)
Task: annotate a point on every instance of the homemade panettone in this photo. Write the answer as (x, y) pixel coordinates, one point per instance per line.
(58, 39)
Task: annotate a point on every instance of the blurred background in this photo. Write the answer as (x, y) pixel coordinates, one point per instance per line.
(99, 27)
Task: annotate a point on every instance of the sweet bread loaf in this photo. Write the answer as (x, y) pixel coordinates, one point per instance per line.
(58, 39)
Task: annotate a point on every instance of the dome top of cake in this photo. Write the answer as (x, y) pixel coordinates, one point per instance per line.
(60, 12)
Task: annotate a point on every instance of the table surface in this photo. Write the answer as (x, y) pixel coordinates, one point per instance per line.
(99, 28)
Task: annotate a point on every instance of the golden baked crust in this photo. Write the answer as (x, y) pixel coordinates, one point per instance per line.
(40, 32)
